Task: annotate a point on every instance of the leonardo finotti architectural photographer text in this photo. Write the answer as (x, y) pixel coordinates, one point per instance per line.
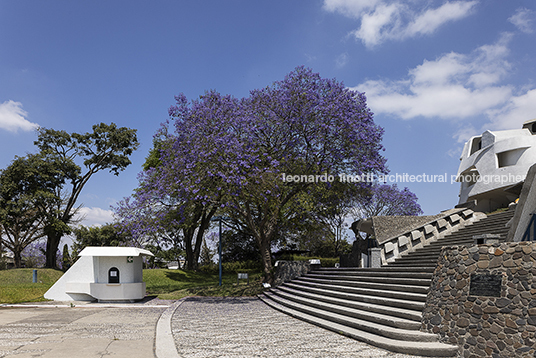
(472, 178)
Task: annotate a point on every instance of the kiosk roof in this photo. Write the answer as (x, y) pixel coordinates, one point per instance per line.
(113, 251)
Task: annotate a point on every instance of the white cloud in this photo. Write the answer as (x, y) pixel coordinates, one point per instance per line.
(457, 87)
(429, 20)
(383, 20)
(13, 117)
(517, 110)
(350, 8)
(94, 216)
(454, 86)
(342, 60)
(523, 19)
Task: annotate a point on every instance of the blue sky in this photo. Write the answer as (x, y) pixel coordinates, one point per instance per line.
(434, 72)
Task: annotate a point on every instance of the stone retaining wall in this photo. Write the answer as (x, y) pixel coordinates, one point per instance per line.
(503, 326)
(286, 271)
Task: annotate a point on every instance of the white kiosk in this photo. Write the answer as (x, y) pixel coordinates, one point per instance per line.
(104, 274)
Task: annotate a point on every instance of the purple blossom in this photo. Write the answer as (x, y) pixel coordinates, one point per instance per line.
(222, 152)
(387, 200)
(33, 255)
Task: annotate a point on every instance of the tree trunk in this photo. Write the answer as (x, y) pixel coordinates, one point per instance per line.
(204, 224)
(193, 250)
(190, 263)
(17, 260)
(264, 246)
(53, 242)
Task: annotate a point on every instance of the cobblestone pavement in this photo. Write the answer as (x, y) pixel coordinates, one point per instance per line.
(247, 327)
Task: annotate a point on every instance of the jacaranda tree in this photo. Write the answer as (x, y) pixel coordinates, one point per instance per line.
(179, 190)
(236, 156)
(387, 200)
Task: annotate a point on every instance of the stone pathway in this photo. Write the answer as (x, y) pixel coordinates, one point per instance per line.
(246, 327)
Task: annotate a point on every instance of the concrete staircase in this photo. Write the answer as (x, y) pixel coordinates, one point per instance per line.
(427, 256)
(383, 306)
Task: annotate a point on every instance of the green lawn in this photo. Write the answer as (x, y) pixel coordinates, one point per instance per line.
(16, 285)
(175, 284)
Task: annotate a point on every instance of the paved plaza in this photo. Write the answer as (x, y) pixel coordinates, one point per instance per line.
(78, 332)
(200, 326)
(247, 327)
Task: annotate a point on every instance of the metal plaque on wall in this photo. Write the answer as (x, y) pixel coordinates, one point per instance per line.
(485, 285)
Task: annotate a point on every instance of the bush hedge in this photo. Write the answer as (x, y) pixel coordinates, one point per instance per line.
(256, 266)
(238, 266)
(324, 261)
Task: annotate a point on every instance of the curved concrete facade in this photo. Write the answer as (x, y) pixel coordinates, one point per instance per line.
(494, 164)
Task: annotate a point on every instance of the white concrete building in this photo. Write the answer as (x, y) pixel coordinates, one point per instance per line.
(103, 274)
(494, 165)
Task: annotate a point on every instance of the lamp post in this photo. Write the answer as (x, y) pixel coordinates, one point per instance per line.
(219, 219)
(219, 250)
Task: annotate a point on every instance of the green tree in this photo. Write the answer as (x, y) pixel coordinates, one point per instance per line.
(238, 246)
(334, 204)
(106, 235)
(206, 254)
(66, 258)
(107, 147)
(28, 193)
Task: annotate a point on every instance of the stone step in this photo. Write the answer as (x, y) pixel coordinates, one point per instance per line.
(385, 286)
(404, 263)
(364, 325)
(423, 253)
(373, 274)
(409, 315)
(428, 261)
(467, 239)
(464, 240)
(353, 287)
(381, 270)
(436, 248)
(409, 261)
(426, 255)
(392, 281)
(338, 292)
(375, 317)
(467, 236)
(429, 348)
(485, 224)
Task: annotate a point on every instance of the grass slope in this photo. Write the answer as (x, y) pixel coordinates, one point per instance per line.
(16, 284)
(175, 284)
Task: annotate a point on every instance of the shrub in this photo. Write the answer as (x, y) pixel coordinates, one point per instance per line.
(234, 267)
(324, 261)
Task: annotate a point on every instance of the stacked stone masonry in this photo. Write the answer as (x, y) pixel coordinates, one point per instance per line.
(401, 245)
(483, 326)
(286, 271)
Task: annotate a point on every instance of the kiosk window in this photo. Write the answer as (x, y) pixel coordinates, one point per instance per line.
(113, 275)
